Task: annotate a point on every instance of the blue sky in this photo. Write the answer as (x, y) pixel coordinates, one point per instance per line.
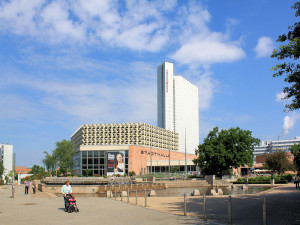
(66, 63)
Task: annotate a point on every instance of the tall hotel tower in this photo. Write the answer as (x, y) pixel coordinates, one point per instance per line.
(177, 107)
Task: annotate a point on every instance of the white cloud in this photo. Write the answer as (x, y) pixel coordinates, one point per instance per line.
(264, 47)
(289, 122)
(206, 87)
(136, 25)
(205, 52)
(199, 45)
(130, 97)
(280, 96)
(140, 25)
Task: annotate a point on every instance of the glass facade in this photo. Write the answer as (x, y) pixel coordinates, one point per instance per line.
(165, 169)
(95, 162)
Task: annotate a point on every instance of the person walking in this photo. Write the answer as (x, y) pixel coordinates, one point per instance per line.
(26, 182)
(33, 186)
(297, 181)
(66, 190)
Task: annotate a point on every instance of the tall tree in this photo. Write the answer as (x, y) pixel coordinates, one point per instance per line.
(222, 150)
(1, 169)
(64, 153)
(49, 161)
(295, 150)
(291, 68)
(278, 162)
(36, 169)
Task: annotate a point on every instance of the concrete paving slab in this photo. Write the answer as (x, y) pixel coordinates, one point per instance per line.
(41, 209)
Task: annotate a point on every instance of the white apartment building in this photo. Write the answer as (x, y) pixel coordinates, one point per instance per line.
(177, 107)
(272, 146)
(6, 156)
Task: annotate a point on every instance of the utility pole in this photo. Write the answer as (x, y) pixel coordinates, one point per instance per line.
(150, 160)
(13, 177)
(169, 161)
(185, 168)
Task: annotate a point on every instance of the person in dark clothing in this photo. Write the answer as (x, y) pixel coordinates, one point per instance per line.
(297, 181)
(33, 186)
(26, 186)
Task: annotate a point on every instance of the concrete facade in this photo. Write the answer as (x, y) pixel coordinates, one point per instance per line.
(109, 136)
(177, 107)
(6, 155)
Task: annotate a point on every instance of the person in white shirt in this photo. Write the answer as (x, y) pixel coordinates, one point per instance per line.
(66, 190)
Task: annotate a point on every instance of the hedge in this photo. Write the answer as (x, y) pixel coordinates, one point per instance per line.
(279, 179)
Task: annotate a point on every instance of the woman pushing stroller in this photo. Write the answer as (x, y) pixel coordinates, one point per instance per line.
(66, 190)
(70, 202)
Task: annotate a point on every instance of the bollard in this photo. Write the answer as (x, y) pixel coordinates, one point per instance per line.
(145, 198)
(110, 191)
(184, 204)
(204, 207)
(229, 210)
(136, 195)
(115, 192)
(264, 211)
(128, 194)
(121, 192)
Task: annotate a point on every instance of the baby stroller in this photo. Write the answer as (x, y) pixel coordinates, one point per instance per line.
(71, 205)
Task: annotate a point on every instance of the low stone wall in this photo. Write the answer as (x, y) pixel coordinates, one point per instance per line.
(210, 179)
(101, 189)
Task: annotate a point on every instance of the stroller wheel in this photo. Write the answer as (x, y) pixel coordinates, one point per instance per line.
(77, 210)
(69, 210)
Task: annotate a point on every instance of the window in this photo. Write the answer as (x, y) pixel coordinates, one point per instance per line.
(96, 161)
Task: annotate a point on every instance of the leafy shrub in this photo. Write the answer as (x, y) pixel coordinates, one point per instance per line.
(279, 179)
(131, 173)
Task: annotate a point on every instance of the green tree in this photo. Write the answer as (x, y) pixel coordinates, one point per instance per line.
(175, 169)
(64, 153)
(1, 169)
(278, 162)
(36, 169)
(49, 161)
(291, 52)
(295, 150)
(222, 150)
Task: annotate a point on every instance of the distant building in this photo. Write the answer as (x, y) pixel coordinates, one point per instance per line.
(267, 147)
(177, 107)
(6, 156)
(22, 170)
(139, 147)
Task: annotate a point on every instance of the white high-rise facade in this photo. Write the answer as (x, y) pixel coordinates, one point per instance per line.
(6, 156)
(177, 107)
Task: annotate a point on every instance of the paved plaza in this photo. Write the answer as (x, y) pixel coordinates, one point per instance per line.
(44, 209)
(283, 207)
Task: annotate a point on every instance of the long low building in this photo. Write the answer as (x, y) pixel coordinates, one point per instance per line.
(267, 147)
(107, 149)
